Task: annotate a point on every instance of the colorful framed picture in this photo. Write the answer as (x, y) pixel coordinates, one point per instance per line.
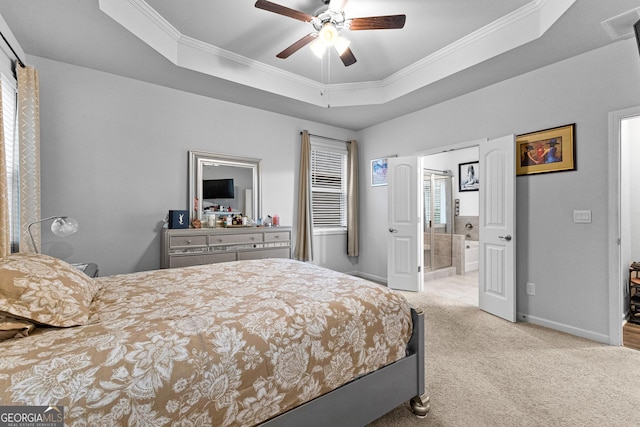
(469, 176)
(550, 150)
(379, 172)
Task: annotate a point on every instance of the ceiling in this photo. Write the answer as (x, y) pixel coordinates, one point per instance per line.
(227, 49)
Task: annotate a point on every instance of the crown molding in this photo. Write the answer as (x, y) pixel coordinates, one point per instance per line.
(521, 26)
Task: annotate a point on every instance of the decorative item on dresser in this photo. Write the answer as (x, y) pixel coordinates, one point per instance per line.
(198, 246)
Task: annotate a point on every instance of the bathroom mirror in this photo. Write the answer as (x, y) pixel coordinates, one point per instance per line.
(242, 174)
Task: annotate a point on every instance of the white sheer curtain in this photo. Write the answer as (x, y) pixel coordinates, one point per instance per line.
(304, 234)
(29, 148)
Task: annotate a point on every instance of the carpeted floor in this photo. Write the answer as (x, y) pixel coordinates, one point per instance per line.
(484, 371)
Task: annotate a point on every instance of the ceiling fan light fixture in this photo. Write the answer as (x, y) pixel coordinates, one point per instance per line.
(327, 22)
(318, 48)
(328, 34)
(341, 45)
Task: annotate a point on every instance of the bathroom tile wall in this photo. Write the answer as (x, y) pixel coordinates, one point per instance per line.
(448, 252)
(460, 223)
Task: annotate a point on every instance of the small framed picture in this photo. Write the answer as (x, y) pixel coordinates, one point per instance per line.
(549, 150)
(469, 176)
(379, 172)
(178, 219)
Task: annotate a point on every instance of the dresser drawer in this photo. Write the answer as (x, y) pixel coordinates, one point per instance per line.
(198, 240)
(281, 236)
(225, 239)
(186, 261)
(183, 248)
(265, 253)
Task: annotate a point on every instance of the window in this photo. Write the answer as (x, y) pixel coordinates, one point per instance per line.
(9, 123)
(329, 185)
(439, 207)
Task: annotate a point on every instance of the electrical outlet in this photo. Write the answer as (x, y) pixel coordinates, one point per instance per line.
(531, 288)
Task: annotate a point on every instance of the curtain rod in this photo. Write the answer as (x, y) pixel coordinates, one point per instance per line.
(440, 171)
(14, 52)
(326, 137)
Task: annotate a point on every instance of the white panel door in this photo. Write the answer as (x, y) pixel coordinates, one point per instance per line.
(405, 245)
(497, 269)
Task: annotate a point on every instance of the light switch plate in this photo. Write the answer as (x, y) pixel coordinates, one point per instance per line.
(582, 216)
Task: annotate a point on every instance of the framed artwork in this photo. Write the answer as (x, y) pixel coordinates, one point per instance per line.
(379, 172)
(469, 176)
(550, 150)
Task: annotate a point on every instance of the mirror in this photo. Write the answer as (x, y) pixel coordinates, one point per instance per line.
(241, 174)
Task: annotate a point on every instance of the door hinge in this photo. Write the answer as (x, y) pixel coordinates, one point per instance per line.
(419, 269)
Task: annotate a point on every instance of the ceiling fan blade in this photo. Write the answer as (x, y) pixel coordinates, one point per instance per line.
(297, 46)
(388, 22)
(348, 58)
(337, 5)
(283, 10)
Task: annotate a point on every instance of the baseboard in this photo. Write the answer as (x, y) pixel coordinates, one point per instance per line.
(371, 277)
(603, 338)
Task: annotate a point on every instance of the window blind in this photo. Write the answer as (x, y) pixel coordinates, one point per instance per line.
(329, 185)
(439, 209)
(9, 123)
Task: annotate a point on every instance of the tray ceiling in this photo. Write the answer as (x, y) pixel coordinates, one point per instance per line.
(227, 50)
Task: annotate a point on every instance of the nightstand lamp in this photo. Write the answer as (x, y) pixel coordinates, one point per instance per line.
(62, 226)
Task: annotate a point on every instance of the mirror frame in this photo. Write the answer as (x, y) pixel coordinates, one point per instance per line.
(197, 159)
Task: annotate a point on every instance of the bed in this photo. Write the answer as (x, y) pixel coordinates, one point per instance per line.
(270, 342)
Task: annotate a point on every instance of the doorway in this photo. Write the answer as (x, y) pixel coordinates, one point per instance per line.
(624, 129)
(497, 243)
(451, 220)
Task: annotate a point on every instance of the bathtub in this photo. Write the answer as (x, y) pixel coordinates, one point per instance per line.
(470, 255)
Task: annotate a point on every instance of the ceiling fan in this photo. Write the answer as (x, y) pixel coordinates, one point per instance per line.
(327, 24)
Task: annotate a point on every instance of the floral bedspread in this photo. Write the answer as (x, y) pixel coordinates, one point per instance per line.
(230, 344)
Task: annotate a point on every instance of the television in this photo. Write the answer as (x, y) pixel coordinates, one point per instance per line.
(218, 188)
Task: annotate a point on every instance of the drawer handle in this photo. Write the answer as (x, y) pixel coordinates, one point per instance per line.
(219, 240)
(276, 237)
(252, 238)
(188, 242)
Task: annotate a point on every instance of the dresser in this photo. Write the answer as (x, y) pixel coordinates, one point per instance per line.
(197, 246)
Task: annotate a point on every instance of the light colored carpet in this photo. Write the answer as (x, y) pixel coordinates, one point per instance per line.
(485, 371)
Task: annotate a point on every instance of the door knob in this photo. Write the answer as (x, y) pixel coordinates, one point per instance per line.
(506, 238)
(392, 230)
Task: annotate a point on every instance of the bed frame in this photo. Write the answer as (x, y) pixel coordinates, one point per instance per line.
(369, 397)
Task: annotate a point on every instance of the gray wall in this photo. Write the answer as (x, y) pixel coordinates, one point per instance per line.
(114, 154)
(566, 261)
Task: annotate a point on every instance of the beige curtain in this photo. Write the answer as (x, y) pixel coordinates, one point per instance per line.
(29, 146)
(304, 232)
(5, 225)
(352, 199)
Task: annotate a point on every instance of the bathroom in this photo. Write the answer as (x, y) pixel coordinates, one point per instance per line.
(451, 213)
